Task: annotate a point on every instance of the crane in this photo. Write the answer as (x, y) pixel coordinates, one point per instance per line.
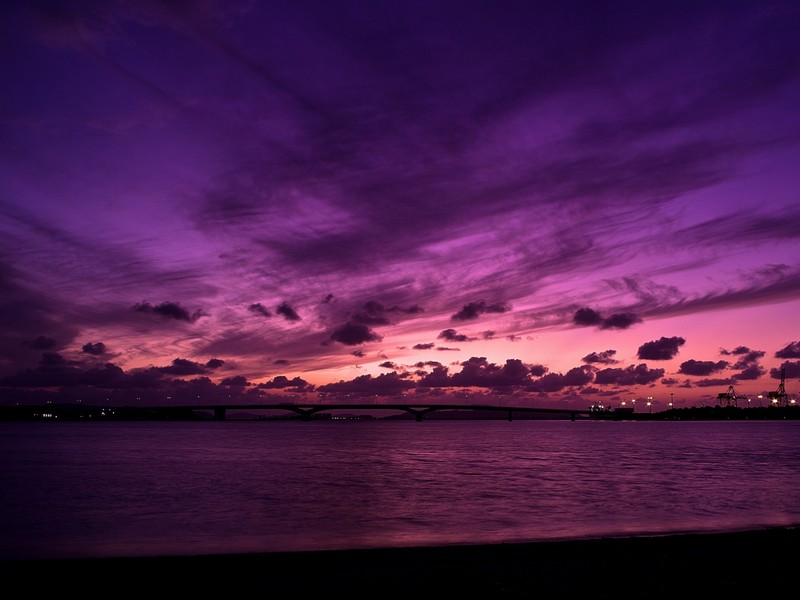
(780, 397)
(728, 397)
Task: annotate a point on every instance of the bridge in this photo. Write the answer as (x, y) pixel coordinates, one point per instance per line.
(419, 411)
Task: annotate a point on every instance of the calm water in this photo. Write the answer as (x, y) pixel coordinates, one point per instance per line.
(154, 488)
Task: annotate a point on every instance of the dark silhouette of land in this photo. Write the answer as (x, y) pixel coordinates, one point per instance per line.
(759, 564)
(418, 412)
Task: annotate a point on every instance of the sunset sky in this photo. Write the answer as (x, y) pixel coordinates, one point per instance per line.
(517, 201)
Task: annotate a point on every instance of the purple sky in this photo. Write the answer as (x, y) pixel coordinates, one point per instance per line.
(544, 201)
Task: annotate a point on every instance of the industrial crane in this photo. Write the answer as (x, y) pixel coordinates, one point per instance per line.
(780, 397)
(728, 397)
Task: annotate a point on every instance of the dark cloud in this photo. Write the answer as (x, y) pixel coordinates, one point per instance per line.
(791, 350)
(750, 373)
(620, 321)
(605, 358)
(358, 353)
(428, 363)
(182, 366)
(720, 383)
(702, 367)
(478, 372)
(447, 349)
(372, 313)
(238, 381)
(282, 382)
(587, 316)
(792, 370)
(353, 334)
(280, 361)
(95, 349)
(287, 312)
(169, 310)
(54, 371)
(748, 359)
(632, 375)
(735, 351)
(259, 309)
(452, 336)
(25, 313)
(388, 365)
(555, 382)
(475, 309)
(661, 349)
(385, 384)
(215, 363)
(427, 346)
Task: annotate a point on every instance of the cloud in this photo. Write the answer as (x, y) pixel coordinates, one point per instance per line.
(169, 310)
(702, 367)
(748, 358)
(714, 382)
(737, 350)
(452, 336)
(620, 321)
(215, 363)
(375, 313)
(555, 382)
(95, 349)
(282, 382)
(385, 384)
(259, 309)
(792, 370)
(632, 375)
(182, 366)
(372, 313)
(791, 350)
(478, 372)
(586, 317)
(236, 381)
(287, 312)
(473, 310)
(426, 346)
(661, 349)
(605, 358)
(750, 373)
(353, 334)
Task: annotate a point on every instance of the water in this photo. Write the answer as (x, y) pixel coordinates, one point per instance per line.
(168, 488)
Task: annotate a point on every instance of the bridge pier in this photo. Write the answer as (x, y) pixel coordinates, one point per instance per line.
(509, 415)
(219, 413)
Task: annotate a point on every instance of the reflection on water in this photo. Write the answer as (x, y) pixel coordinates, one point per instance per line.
(147, 488)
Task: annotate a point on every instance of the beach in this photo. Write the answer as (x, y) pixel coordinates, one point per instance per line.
(718, 565)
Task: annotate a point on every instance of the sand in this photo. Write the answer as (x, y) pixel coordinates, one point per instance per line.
(761, 563)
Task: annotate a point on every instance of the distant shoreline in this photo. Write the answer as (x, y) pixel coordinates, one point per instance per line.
(718, 564)
(74, 412)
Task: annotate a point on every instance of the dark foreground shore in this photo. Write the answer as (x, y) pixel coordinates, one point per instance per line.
(713, 565)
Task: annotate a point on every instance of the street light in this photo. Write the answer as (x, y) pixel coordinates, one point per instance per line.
(650, 404)
(671, 400)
